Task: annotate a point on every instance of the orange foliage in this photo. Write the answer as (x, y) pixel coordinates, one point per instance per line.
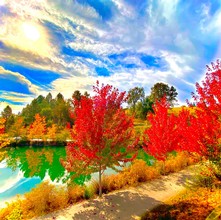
(37, 128)
(43, 199)
(4, 141)
(18, 129)
(51, 134)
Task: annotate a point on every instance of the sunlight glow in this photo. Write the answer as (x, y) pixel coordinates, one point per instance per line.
(2, 2)
(31, 32)
(29, 36)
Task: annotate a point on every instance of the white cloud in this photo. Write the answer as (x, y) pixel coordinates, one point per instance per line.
(18, 78)
(157, 32)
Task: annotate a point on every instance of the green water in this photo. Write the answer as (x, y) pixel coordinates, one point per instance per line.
(25, 167)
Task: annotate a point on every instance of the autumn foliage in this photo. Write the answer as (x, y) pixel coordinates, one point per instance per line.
(4, 141)
(162, 136)
(207, 120)
(37, 128)
(103, 134)
(196, 131)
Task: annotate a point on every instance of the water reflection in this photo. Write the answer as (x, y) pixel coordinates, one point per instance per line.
(24, 167)
(37, 161)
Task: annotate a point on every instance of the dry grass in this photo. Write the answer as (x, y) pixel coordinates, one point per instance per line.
(192, 204)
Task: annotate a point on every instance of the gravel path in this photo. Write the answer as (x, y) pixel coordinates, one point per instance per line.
(127, 204)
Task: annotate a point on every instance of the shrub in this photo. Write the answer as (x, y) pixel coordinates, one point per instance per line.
(75, 193)
(90, 191)
(43, 199)
(13, 211)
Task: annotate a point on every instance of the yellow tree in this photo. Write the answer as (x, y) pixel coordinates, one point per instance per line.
(38, 128)
(4, 141)
(51, 134)
(18, 129)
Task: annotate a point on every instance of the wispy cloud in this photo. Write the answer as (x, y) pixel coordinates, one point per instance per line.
(121, 42)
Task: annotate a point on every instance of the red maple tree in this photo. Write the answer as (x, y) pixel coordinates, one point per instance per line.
(206, 125)
(162, 137)
(198, 132)
(103, 133)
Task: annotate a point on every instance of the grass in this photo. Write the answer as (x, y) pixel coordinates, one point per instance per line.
(195, 203)
(176, 110)
(140, 125)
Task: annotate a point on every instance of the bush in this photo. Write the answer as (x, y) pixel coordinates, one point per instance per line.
(75, 193)
(13, 211)
(43, 199)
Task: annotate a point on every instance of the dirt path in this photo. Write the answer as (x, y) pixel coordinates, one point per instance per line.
(129, 203)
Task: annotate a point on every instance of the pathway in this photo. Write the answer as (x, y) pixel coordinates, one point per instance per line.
(127, 204)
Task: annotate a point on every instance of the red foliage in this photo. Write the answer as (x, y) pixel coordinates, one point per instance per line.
(102, 133)
(162, 136)
(199, 132)
(2, 130)
(68, 125)
(207, 125)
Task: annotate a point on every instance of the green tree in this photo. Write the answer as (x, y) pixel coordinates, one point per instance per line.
(134, 95)
(7, 112)
(77, 95)
(143, 107)
(159, 90)
(8, 116)
(18, 129)
(61, 114)
(48, 97)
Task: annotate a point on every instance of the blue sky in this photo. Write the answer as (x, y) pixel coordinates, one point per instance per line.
(66, 45)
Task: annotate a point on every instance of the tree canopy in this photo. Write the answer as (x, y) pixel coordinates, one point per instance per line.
(159, 90)
(134, 95)
(103, 134)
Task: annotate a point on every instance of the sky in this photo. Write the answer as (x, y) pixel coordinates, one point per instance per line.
(67, 45)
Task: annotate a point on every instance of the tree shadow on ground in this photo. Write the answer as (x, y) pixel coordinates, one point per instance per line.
(120, 205)
(179, 210)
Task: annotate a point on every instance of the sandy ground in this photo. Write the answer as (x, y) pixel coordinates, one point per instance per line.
(129, 203)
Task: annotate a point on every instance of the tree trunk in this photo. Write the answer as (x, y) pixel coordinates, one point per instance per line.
(100, 184)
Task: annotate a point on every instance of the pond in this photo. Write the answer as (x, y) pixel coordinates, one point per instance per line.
(25, 167)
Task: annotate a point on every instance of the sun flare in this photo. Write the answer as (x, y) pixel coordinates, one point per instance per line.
(31, 32)
(2, 2)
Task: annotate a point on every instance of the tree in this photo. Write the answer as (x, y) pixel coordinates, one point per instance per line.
(103, 134)
(61, 114)
(8, 116)
(18, 129)
(51, 134)
(37, 128)
(7, 112)
(199, 132)
(206, 125)
(4, 141)
(48, 97)
(159, 90)
(162, 136)
(143, 107)
(76, 95)
(134, 95)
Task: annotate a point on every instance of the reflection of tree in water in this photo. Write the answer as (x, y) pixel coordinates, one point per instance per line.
(38, 161)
